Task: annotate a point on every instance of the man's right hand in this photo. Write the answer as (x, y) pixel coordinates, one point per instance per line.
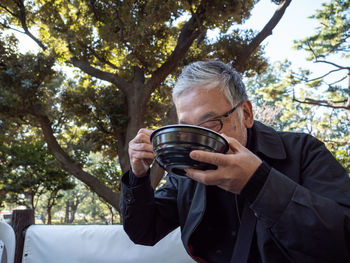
(141, 152)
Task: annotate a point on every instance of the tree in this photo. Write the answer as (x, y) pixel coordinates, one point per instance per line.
(128, 53)
(303, 95)
(72, 200)
(272, 96)
(28, 98)
(331, 38)
(300, 96)
(29, 172)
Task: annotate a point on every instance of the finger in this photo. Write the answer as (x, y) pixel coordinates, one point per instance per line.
(145, 131)
(141, 138)
(209, 157)
(141, 147)
(234, 144)
(204, 177)
(137, 155)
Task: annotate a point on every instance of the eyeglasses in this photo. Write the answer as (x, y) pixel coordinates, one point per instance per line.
(217, 124)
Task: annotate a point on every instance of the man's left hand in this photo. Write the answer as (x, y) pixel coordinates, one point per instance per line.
(234, 168)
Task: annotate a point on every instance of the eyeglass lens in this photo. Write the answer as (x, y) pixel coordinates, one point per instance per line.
(214, 125)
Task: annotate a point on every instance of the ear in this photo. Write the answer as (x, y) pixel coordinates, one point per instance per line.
(248, 116)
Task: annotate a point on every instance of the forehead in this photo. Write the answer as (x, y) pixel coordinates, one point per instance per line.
(198, 104)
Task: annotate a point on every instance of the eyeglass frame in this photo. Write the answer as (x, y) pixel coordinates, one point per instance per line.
(218, 118)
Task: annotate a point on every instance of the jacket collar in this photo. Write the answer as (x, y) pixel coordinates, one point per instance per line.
(267, 141)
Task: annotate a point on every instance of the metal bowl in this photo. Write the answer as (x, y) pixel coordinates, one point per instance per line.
(172, 145)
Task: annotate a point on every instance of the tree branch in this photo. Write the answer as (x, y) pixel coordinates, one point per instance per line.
(189, 32)
(107, 76)
(340, 143)
(325, 75)
(69, 165)
(12, 28)
(22, 16)
(325, 61)
(331, 63)
(93, 52)
(337, 81)
(260, 37)
(7, 10)
(325, 103)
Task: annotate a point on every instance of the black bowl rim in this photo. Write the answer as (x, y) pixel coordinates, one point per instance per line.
(155, 132)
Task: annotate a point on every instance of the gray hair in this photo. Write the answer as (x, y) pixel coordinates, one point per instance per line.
(211, 74)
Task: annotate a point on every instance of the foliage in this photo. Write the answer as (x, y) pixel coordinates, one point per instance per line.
(272, 96)
(332, 34)
(107, 170)
(298, 96)
(117, 36)
(330, 42)
(77, 206)
(26, 81)
(29, 171)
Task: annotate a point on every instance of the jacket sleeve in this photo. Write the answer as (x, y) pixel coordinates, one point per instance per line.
(308, 220)
(146, 218)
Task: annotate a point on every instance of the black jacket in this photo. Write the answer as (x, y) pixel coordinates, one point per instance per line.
(302, 210)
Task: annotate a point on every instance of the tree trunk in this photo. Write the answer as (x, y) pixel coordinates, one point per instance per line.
(66, 214)
(50, 204)
(49, 216)
(137, 95)
(73, 211)
(21, 219)
(112, 214)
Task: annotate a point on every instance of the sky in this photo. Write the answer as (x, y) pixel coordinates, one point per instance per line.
(294, 25)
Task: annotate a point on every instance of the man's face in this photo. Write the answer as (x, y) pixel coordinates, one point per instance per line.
(197, 105)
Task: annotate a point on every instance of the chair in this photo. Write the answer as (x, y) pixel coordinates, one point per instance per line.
(97, 243)
(8, 238)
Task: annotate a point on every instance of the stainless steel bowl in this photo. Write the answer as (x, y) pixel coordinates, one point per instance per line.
(172, 145)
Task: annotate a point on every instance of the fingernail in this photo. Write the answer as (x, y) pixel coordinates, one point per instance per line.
(224, 135)
(193, 155)
(188, 172)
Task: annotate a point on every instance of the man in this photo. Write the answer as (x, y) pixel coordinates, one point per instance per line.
(275, 197)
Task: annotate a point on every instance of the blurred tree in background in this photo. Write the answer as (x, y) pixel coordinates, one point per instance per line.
(307, 101)
(29, 172)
